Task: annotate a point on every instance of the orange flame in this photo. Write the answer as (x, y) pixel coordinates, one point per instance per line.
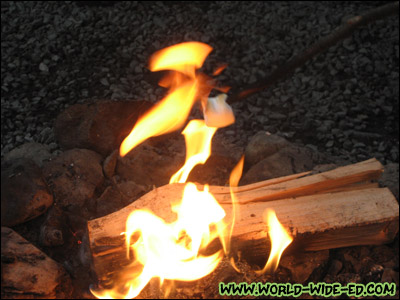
(171, 112)
(219, 69)
(198, 148)
(233, 182)
(170, 251)
(184, 58)
(280, 240)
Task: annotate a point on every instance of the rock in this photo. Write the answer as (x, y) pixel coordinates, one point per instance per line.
(51, 231)
(118, 196)
(302, 265)
(390, 275)
(73, 176)
(346, 278)
(335, 267)
(329, 144)
(109, 164)
(277, 116)
(289, 160)
(39, 153)
(390, 178)
(24, 193)
(100, 126)
(215, 171)
(26, 272)
(108, 202)
(130, 191)
(262, 145)
(146, 165)
(43, 67)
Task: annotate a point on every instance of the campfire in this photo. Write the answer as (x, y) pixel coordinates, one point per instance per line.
(129, 218)
(172, 249)
(181, 231)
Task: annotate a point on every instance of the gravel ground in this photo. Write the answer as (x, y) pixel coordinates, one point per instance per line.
(344, 102)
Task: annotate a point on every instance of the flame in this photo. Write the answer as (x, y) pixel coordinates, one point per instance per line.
(280, 239)
(183, 57)
(198, 148)
(219, 69)
(171, 251)
(186, 87)
(233, 182)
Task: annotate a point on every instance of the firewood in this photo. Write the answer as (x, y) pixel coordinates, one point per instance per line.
(338, 208)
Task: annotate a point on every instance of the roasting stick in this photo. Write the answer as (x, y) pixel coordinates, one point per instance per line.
(320, 46)
(217, 111)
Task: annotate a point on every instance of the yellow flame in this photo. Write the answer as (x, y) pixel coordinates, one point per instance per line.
(233, 182)
(184, 58)
(172, 111)
(168, 115)
(198, 148)
(280, 239)
(171, 251)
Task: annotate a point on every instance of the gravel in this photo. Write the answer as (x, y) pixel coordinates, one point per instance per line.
(344, 102)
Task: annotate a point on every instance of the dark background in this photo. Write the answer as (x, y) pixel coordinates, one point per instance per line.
(344, 102)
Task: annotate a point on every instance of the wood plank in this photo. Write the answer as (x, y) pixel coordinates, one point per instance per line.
(331, 220)
(343, 176)
(226, 190)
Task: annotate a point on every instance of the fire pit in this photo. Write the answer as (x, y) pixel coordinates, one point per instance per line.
(198, 233)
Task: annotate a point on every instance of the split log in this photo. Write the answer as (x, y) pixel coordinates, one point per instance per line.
(338, 208)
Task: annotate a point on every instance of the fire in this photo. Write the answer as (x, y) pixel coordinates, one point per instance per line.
(172, 251)
(198, 148)
(280, 239)
(170, 113)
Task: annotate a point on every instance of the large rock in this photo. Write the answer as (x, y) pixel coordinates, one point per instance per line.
(74, 176)
(39, 153)
(262, 145)
(51, 230)
(100, 126)
(287, 161)
(118, 196)
(24, 193)
(27, 273)
(215, 171)
(147, 165)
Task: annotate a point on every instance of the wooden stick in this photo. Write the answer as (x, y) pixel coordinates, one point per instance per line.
(299, 60)
(342, 217)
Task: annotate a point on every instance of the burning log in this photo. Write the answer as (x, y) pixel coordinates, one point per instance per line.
(338, 208)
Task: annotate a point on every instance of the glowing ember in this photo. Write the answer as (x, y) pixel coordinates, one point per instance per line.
(280, 239)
